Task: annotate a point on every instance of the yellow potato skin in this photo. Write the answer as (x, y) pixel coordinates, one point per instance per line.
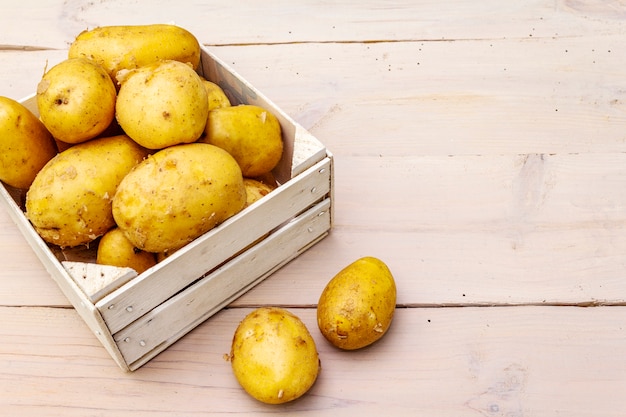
(69, 202)
(251, 134)
(177, 194)
(116, 250)
(25, 144)
(273, 356)
(255, 190)
(217, 97)
(162, 104)
(76, 100)
(357, 306)
(123, 47)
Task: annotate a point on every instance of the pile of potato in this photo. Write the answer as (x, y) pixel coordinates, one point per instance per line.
(137, 152)
(131, 140)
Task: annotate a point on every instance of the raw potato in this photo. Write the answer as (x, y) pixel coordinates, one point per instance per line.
(25, 144)
(118, 48)
(357, 306)
(162, 104)
(178, 194)
(69, 202)
(116, 250)
(217, 97)
(255, 190)
(76, 100)
(273, 356)
(251, 134)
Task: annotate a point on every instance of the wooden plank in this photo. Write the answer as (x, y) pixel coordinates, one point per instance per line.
(570, 267)
(142, 294)
(502, 122)
(436, 361)
(155, 331)
(85, 308)
(514, 193)
(449, 98)
(286, 21)
(18, 84)
(456, 230)
(485, 229)
(472, 97)
(24, 279)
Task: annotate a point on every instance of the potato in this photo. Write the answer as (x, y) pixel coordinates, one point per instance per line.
(25, 144)
(162, 104)
(69, 202)
(178, 194)
(115, 249)
(217, 97)
(267, 179)
(255, 190)
(118, 48)
(357, 306)
(251, 134)
(273, 356)
(76, 100)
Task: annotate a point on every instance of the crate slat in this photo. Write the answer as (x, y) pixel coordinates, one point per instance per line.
(166, 323)
(147, 291)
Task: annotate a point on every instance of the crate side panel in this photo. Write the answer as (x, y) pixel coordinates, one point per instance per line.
(83, 306)
(182, 332)
(145, 292)
(206, 297)
(302, 152)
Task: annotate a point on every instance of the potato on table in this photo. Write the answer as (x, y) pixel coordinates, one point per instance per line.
(273, 356)
(357, 306)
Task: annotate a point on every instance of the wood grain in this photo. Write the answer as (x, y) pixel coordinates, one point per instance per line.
(342, 21)
(479, 150)
(445, 361)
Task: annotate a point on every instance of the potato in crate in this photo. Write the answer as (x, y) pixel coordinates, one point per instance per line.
(138, 315)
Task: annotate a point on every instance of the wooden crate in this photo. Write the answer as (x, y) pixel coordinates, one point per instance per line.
(135, 317)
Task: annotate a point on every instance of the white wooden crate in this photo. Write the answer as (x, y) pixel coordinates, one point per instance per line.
(135, 317)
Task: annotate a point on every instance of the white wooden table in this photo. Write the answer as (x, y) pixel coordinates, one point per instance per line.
(480, 151)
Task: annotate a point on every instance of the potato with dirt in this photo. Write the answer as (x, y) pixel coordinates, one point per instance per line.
(251, 134)
(126, 47)
(115, 249)
(162, 104)
(25, 144)
(357, 306)
(69, 202)
(217, 96)
(76, 100)
(273, 356)
(178, 194)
